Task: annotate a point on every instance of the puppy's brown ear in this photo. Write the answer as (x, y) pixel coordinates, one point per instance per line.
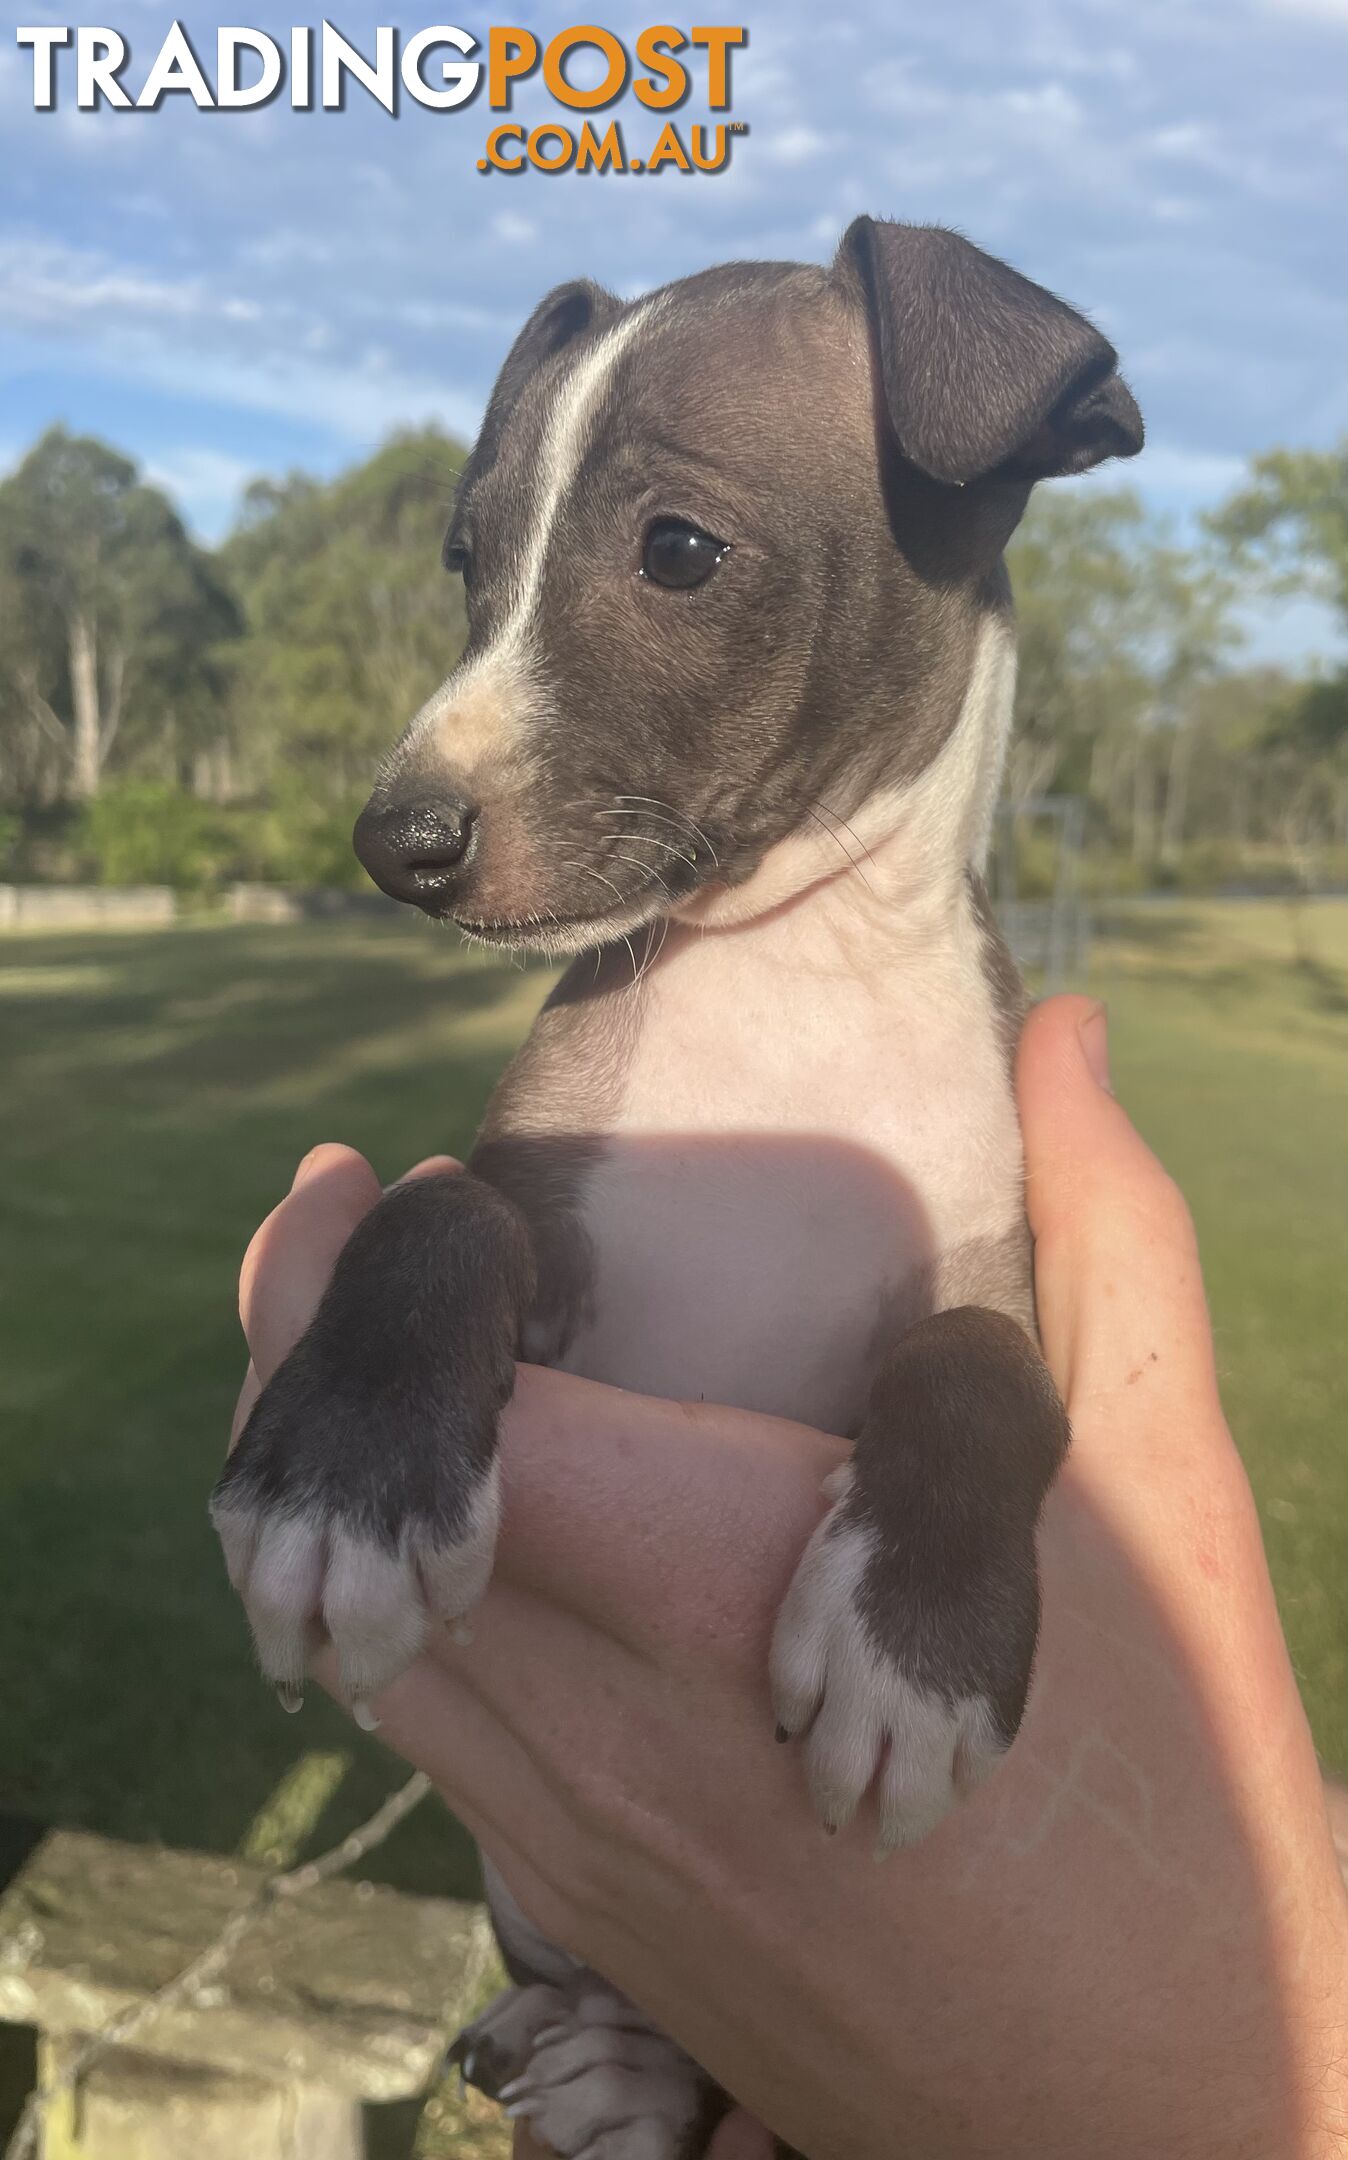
(982, 370)
(561, 316)
(565, 313)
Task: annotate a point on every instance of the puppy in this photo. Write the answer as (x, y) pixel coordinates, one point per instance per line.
(729, 728)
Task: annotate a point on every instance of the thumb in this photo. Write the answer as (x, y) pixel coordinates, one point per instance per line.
(286, 1267)
(741, 2138)
(1117, 1278)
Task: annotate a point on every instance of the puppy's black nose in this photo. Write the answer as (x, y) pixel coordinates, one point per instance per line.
(415, 851)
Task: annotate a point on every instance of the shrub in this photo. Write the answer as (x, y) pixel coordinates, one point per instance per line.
(301, 840)
(146, 832)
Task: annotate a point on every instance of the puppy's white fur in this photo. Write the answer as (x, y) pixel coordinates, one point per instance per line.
(862, 1714)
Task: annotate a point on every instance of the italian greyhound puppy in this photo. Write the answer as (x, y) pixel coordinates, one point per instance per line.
(729, 728)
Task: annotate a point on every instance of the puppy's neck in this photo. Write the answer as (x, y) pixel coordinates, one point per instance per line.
(858, 895)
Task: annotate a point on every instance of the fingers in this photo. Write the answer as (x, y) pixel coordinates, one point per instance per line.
(243, 1408)
(741, 2138)
(432, 1166)
(636, 1513)
(286, 1267)
(489, 1736)
(1117, 1276)
(526, 2147)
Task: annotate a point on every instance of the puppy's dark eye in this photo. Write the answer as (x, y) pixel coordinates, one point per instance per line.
(458, 561)
(679, 556)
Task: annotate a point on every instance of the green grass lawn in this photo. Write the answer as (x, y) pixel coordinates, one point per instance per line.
(158, 1091)
(1229, 1033)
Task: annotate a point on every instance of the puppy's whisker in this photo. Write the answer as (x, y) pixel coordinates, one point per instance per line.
(636, 972)
(589, 872)
(651, 818)
(641, 839)
(851, 829)
(653, 951)
(636, 864)
(843, 850)
(680, 817)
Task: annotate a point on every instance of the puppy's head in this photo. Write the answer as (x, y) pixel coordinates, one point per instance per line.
(726, 551)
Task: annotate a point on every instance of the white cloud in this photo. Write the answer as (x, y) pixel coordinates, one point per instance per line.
(278, 279)
(1049, 104)
(515, 230)
(205, 484)
(1200, 475)
(1330, 11)
(48, 284)
(795, 145)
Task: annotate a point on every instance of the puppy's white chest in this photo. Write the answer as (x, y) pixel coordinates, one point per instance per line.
(792, 1160)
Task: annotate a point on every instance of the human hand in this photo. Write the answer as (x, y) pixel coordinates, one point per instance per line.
(1132, 1940)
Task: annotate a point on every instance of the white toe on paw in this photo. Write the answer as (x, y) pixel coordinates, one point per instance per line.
(373, 1611)
(303, 1572)
(454, 1576)
(276, 1564)
(496, 2047)
(601, 2085)
(864, 1718)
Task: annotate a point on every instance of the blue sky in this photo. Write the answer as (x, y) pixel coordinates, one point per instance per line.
(229, 293)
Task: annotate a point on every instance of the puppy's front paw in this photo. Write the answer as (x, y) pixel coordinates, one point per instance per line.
(894, 1681)
(363, 1513)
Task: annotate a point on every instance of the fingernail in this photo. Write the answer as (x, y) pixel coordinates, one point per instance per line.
(1093, 1034)
(306, 1168)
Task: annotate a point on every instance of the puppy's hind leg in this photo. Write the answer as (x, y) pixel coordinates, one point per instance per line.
(590, 2074)
(584, 2067)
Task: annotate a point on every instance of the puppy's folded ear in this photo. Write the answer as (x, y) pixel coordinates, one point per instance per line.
(982, 370)
(565, 313)
(561, 316)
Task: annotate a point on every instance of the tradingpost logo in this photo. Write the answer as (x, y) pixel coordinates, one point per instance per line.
(608, 106)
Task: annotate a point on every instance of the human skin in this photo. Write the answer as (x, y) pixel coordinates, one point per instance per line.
(1133, 1939)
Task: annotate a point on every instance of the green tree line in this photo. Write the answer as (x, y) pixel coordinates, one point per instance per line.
(170, 713)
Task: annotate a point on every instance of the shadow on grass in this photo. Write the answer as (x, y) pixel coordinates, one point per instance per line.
(220, 1009)
(1326, 987)
(127, 1699)
(158, 1092)
(1161, 927)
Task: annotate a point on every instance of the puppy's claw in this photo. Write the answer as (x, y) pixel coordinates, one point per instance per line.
(364, 1716)
(461, 1632)
(291, 1699)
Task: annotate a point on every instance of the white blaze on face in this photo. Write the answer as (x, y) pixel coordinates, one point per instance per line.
(484, 710)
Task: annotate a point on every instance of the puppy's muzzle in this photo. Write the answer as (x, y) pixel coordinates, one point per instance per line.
(417, 851)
